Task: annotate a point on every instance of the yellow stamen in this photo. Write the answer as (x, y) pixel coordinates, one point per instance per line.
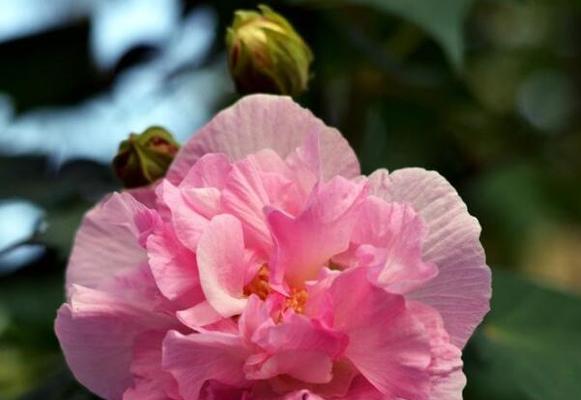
(259, 284)
(297, 300)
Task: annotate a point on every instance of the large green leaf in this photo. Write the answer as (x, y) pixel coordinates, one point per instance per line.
(529, 347)
(441, 19)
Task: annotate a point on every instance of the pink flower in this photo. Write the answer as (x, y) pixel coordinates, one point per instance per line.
(265, 267)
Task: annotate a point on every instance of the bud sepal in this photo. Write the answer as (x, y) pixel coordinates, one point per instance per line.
(144, 158)
(266, 54)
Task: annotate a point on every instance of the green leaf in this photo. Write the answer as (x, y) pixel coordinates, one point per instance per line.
(442, 19)
(529, 347)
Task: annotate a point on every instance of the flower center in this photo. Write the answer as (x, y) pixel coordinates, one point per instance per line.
(259, 284)
(297, 300)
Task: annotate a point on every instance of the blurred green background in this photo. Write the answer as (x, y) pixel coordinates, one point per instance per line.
(486, 92)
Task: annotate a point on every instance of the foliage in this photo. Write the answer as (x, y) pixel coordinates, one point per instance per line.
(443, 20)
(529, 346)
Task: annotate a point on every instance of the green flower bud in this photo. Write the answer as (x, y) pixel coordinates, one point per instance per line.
(144, 158)
(266, 54)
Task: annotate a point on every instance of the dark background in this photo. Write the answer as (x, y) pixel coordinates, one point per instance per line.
(486, 92)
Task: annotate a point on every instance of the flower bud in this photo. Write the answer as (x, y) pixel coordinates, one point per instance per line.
(144, 158)
(266, 54)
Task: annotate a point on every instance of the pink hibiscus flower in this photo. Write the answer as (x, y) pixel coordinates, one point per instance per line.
(266, 267)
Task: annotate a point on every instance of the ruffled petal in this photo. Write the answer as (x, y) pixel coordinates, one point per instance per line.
(265, 121)
(388, 239)
(214, 390)
(386, 343)
(97, 330)
(223, 265)
(201, 357)
(254, 316)
(211, 170)
(147, 390)
(461, 291)
(305, 163)
(202, 317)
(301, 395)
(297, 332)
(446, 376)
(298, 347)
(245, 196)
(361, 389)
(151, 382)
(145, 195)
(343, 374)
(258, 181)
(188, 223)
(173, 267)
(103, 369)
(201, 188)
(107, 242)
(309, 366)
(304, 244)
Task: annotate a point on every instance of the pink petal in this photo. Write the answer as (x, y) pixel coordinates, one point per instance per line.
(260, 180)
(264, 121)
(299, 347)
(204, 201)
(214, 390)
(305, 162)
(211, 170)
(203, 317)
(151, 381)
(202, 186)
(222, 265)
(145, 195)
(245, 196)
(198, 358)
(255, 314)
(138, 287)
(386, 343)
(297, 332)
(107, 242)
(450, 387)
(188, 222)
(304, 244)
(388, 238)
(103, 370)
(446, 376)
(343, 374)
(361, 389)
(301, 395)
(173, 267)
(461, 291)
(320, 303)
(308, 155)
(147, 390)
(308, 366)
(96, 332)
(147, 222)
